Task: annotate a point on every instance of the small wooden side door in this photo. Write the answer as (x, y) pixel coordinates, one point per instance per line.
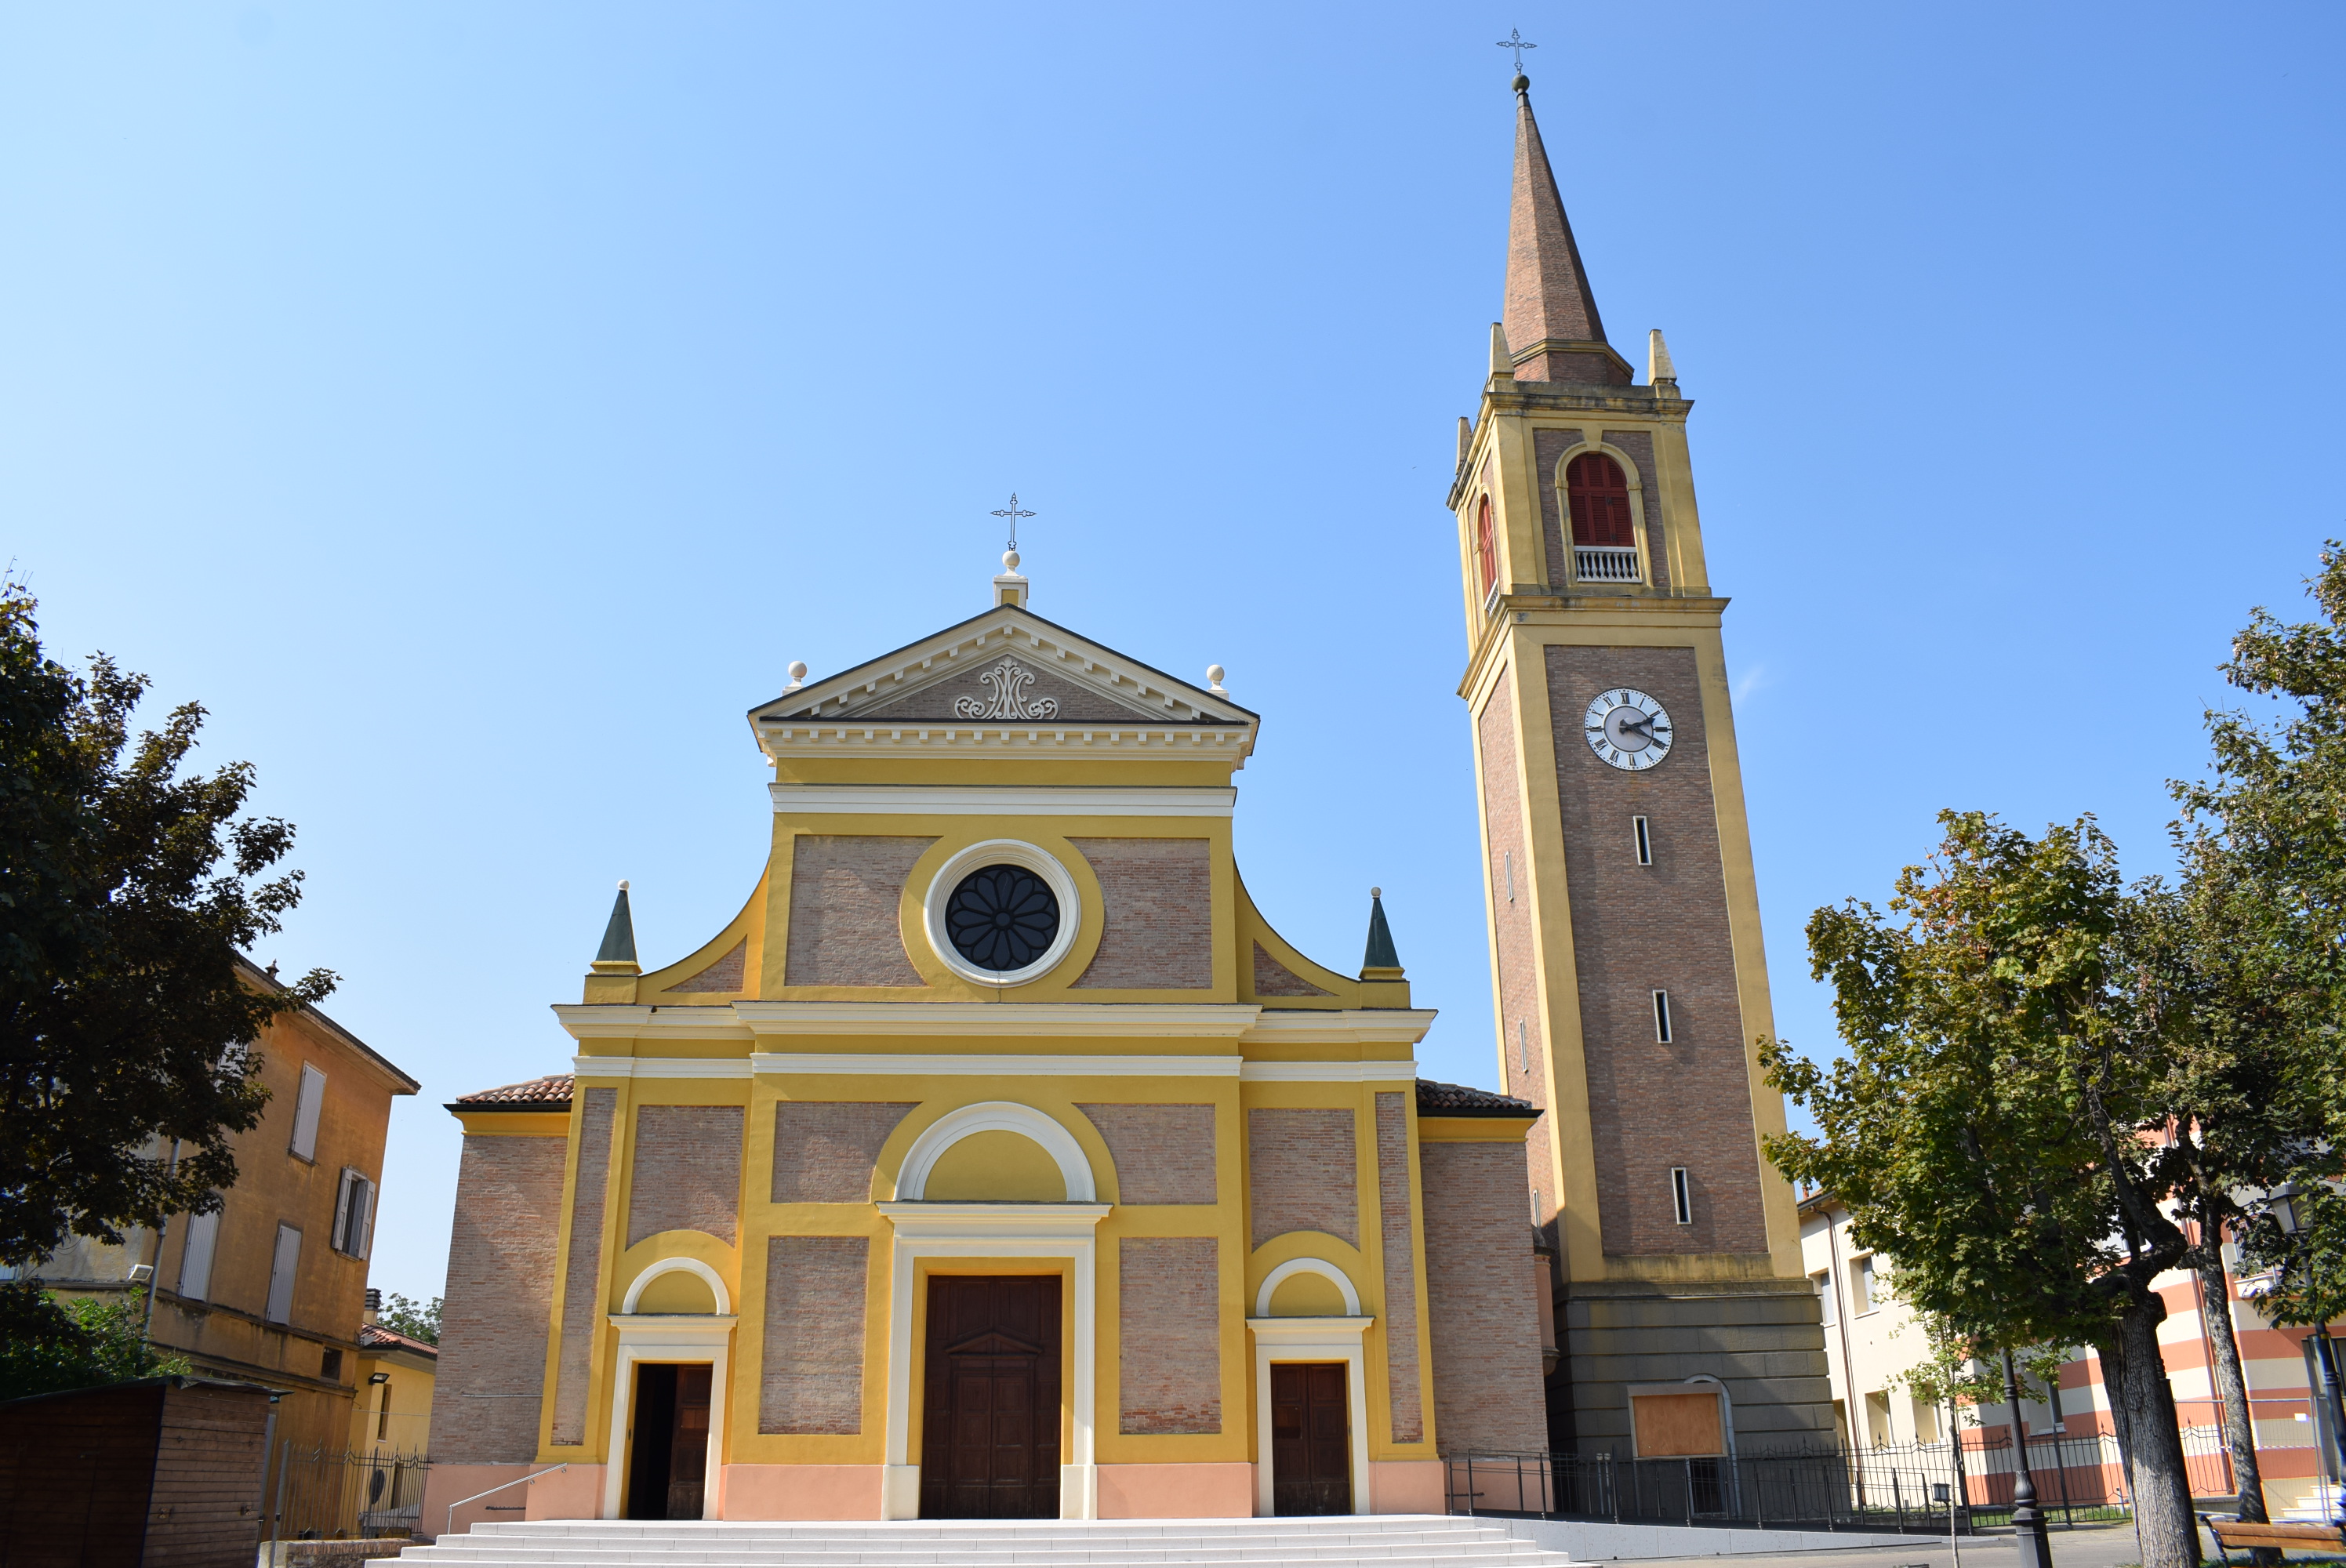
(688, 1457)
(1310, 1439)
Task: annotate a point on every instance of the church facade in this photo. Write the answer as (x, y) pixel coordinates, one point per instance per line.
(998, 1159)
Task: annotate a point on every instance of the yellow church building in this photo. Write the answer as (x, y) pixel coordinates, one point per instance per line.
(997, 1160)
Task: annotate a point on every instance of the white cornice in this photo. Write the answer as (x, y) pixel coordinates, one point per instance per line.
(994, 1020)
(1348, 1026)
(993, 1065)
(1328, 1073)
(993, 1221)
(922, 800)
(625, 1021)
(660, 1066)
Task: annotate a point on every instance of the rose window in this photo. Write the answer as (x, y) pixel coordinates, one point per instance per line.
(1002, 918)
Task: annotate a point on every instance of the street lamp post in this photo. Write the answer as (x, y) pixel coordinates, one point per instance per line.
(2027, 1521)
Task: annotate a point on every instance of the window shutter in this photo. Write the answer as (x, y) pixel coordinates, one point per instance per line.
(1599, 500)
(306, 1106)
(196, 1260)
(364, 1212)
(342, 1209)
(281, 1270)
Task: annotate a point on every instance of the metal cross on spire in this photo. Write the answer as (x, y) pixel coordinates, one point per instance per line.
(1012, 513)
(1514, 40)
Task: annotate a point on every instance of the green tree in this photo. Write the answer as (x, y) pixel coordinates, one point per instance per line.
(416, 1319)
(126, 892)
(1983, 1128)
(47, 1346)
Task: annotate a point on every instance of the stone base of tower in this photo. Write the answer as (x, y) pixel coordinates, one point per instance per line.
(1759, 1339)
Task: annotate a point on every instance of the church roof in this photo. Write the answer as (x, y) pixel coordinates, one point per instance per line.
(376, 1337)
(1458, 1100)
(547, 1093)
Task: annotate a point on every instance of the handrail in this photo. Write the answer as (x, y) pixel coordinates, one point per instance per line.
(495, 1490)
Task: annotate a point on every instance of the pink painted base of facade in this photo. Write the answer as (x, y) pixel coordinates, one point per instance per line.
(839, 1492)
(1176, 1490)
(447, 1483)
(1407, 1486)
(573, 1493)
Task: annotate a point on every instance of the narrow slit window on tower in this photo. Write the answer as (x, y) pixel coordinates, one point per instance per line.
(1523, 1046)
(1681, 1196)
(1645, 841)
(1662, 1017)
(1486, 552)
(1507, 857)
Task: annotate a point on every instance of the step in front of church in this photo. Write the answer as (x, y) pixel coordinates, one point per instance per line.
(1391, 1541)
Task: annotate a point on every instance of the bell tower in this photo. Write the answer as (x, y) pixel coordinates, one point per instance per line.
(1629, 978)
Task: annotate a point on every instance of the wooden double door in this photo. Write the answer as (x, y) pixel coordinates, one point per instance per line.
(1310, 1438)
(990, 1402)
(667, 1462)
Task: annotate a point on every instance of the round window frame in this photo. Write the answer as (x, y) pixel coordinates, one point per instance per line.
(1001, 853)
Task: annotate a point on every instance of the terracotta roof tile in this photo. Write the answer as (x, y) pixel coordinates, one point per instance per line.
(376, 1337)
(548, 1094)
(1457, 1100)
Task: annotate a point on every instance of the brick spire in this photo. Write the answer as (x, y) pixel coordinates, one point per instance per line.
(1552, 323)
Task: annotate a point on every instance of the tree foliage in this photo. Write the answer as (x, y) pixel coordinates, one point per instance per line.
(2004, 1040)
(416, 1319)
(128, 889)
(48, 1346)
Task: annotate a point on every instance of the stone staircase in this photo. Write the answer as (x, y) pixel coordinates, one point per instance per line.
(1388, 1540)
(2318, 1506)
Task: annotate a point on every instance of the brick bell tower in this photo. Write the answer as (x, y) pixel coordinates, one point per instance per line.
(1625, 922)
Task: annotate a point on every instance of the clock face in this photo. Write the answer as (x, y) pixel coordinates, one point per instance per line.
(1627, 728)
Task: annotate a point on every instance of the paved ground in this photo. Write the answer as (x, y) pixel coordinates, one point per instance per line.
(2087, 1546)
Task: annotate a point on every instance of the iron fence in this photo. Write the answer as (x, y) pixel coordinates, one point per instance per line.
(1890, 1488)
(344, 1495)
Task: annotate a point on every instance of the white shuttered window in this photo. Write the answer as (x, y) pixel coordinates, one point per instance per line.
(353, 1214)
(280, 1274)
(306, 1106)
(195, 1262)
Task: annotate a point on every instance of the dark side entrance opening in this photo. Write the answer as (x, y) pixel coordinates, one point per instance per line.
(669, 1451)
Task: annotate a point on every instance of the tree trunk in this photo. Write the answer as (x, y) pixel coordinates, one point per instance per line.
(2163, 1522)
(2240, 1435)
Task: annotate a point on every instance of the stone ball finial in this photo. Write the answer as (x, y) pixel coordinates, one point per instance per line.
(1376, 893)
(1214, 673)
(798, 669)
(623, 884)
(1010, 560)
(1523, 84)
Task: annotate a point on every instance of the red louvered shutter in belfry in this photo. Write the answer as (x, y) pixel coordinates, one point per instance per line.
(1484, 549)
(1599, 497)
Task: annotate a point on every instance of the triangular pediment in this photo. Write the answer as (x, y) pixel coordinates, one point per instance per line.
(994, 1342)
(1008, 666)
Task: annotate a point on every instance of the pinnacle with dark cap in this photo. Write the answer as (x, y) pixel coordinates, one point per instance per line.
(1380, 955)
(617, 953)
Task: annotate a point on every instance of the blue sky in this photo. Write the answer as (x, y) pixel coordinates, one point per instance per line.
(477, 408)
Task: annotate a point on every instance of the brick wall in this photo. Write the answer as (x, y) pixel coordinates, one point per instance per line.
(1637, 928)
(1157, 931)
(1170, 1360)
(581, 1308)
(1302, 1173)
(1482, 1285)
(688, 1171)
(1078, 702)
(810, 1377)
(1523, 1045)
(1163, 1154)
(1273, 978)
(1403, 1383)
(824, 1150)
(722, 977)
(1638, 444)
(485, 1399)
(844, 889)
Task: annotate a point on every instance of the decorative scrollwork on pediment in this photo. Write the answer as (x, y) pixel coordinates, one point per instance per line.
(1008, 681)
